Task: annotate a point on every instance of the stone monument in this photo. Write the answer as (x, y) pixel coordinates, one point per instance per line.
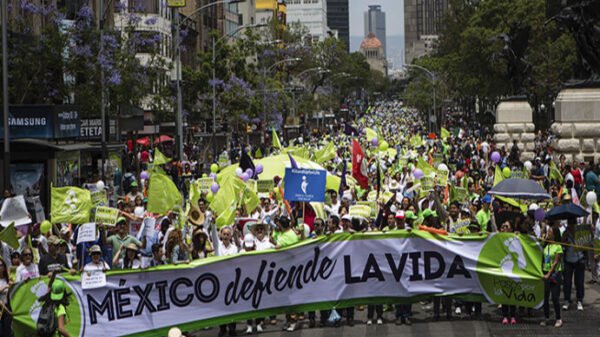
(577, 106)
(514, 115)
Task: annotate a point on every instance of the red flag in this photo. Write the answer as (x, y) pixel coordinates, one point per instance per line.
(359, 165)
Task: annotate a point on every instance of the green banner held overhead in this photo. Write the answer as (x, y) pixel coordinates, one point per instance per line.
(70, 205)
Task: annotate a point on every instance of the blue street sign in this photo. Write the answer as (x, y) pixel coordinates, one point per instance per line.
(305, 185)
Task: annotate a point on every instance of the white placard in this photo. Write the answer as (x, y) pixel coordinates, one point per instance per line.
(93, 279)
(87, 232)
(14, 210)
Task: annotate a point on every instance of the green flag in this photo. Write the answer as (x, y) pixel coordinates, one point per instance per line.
(425, 167)
(276, 142)
(445, 134)
(370, 134)
(159, 158)
(195, 193)
(416, 141)
(324, 154)
(70, 205)
(498, 177)
(9, 235)
(555, 173)
(232, 192)
(163, 195)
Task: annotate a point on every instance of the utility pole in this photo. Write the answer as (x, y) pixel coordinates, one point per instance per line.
(5, 94)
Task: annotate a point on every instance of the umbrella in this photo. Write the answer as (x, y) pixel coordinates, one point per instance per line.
(143, 141)
(566, 211)
(519, 188)
(162, 139)
(275, 166)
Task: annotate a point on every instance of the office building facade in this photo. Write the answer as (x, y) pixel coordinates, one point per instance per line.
(375, 23)
(423, 20)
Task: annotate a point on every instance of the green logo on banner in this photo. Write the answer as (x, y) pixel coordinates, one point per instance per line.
(509, 270)
(29, 307)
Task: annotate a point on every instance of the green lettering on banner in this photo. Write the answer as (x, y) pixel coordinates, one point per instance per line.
(205, 183)
(106, 215)
(265, 186)
(583, 236)
(99, 198)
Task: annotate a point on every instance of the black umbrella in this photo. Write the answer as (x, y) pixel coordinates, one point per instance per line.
(520, 189)
(566, 211)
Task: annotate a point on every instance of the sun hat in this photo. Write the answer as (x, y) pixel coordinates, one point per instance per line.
(95, 249)
(132, 246)
(58, 290)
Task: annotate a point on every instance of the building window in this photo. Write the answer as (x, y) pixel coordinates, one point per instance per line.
(144, 6)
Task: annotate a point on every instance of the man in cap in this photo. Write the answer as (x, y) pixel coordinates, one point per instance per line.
(52, 260)
(133, 193)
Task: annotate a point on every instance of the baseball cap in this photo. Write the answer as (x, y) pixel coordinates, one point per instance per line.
(58, 290)
(427, 213)
(249, 240)
(121, 219)
(134, 184)
(410, 215)
(487, 199)
(400, 215)
(347, 217)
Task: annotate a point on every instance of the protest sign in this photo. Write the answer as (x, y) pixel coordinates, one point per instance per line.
(106, 215)
(147, 229)
(86, 233)
(426, 184)
(265, 186)
(205, 183)
(304, 185)
(342, 269)
(360, 211)
(93, 279)
(38, 208)
(99, 198)
(372, 205)
(438, 158)
(403, 162)
(461, 226)
(252, 185)
(441, 178)
(14, 210)
(583, 236)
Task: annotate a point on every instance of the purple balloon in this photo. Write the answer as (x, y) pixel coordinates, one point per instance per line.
(374, 141)
(213, 175)
(250, 173)
(245, 177)
(495, 157)
(418, 174)
(539, 214)
(144, 175)
(259, 168)
(214, 188)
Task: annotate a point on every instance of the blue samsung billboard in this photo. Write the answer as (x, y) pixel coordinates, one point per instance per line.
(43, 121)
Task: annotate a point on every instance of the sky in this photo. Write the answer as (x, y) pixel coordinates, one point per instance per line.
(394, 16)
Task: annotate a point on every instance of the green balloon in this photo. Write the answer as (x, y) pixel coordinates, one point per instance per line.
(204, 175)
(214, 168)
(210, 197)
(506, 172)
(45, 226)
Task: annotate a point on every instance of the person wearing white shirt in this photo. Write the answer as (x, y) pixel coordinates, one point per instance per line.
(97, 264)
(27, 270)
(260, 231)
(226, 248)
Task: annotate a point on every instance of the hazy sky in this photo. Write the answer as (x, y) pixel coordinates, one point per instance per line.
(394, 16)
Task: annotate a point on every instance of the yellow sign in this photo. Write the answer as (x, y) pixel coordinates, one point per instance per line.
(176, 3)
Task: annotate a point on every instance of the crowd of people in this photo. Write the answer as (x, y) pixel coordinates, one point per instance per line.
(465, 153)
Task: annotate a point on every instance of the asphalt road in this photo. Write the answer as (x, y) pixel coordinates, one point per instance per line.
(580, 324)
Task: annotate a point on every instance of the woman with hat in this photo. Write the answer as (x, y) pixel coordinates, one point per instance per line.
(97, 263)
(201, 246)
(261, 235)
(130, 260)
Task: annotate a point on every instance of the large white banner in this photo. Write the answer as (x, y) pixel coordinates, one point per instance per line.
(331, 271)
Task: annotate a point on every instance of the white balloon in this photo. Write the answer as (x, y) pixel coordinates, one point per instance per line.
(443, 167)
(591, 198)
(239, 172)
(528, 165)
(100, 185)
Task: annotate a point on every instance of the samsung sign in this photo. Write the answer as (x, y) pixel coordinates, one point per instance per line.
(44, 121)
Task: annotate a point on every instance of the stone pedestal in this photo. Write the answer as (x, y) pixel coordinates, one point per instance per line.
(514, 122)
(577, 125)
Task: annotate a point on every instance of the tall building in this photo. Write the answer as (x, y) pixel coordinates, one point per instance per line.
(375, 23)
(338, 18)
(310, 13)
(422, 25)
(372, 49)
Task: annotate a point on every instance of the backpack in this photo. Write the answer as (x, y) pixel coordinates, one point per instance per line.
(47, 323)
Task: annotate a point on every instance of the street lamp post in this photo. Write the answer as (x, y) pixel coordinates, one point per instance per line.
(265, 70)
(432, 74)
(6, 158)
(214, 78)
(177, 50)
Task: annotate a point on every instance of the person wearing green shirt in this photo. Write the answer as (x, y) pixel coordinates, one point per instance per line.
(287, 237)
(122, 237)
(552, 269)
(484, 215)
